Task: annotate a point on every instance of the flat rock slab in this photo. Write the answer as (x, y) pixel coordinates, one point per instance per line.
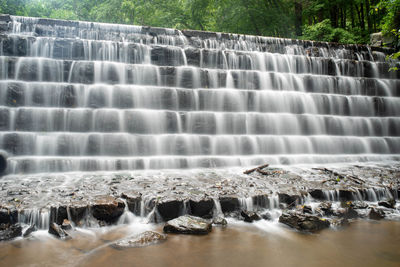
(303, 222)
(144, 239)
(188, 225)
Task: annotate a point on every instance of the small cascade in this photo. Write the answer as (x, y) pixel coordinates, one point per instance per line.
(37, 217)
(246, 204)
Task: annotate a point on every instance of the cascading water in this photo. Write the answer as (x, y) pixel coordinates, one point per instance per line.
(79, 96)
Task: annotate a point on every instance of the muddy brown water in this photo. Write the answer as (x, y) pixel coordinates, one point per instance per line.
(364, 243)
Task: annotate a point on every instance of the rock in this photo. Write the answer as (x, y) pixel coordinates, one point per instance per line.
(348, 213)
(188, 225)
(144, 239)
(8, 216)
(359, 205)
(3, 162)
(307, 209)
(133, 201)
(57, 231)
(376, 214)
(387, 204)
(303, 222)
(29, 230)
(78, 212)
(266, 216)
(108, 209)
(170, 209)
(58, 214)
(317, 194)
(290, 200)
(220, 221)
(229, 204)
(8, 232)
(202, 208)
(66, 225)
(326, 208)
(250, 216)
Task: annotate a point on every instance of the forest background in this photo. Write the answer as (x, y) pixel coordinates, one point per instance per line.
(344, 21)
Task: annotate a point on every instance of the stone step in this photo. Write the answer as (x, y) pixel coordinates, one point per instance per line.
(123, 145)
(20, 94)
(146, 121)
(88, 72)
(37, 164)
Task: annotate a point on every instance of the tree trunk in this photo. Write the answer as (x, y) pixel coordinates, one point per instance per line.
(298, 10)
(369, 21)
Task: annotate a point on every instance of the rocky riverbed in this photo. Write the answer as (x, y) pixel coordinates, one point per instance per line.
(305, 198)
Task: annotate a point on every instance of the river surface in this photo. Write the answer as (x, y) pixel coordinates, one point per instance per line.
(363, 243)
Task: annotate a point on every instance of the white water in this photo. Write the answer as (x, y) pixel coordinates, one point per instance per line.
(82, 96)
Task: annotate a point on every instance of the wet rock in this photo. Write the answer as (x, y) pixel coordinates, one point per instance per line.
(78, 212)
(202, 208)
(303, 222)
(145, 239)
(29, 230)
(346, 195)
(266, 216)
(3, 162)
(58, 214)
(326, 208)
(261, 201)
(170, 209)
(307, 209)
(188, 225)
(220, 221)
(348, 213)
(57, 231)
(390, 204)
(290, 200)
(250, 216)
(133, 201)
(8, 232)
(229, 204)
(66, 225)
(376, 214)
(359, 205)
(108, 209)
(317, 194)
(8, 215)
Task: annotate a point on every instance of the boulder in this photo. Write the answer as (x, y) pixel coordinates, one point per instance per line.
(8, 232)
(266, 216)
(66, 225)
(250, 216)
(29, 230)
(220, 221)
(390, 204)
(303, 222)
(188, 225)
(57, 231)
(376, 214)
(108, 209)
(144, 239)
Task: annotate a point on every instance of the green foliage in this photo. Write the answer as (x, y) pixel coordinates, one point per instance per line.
(322, 20)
